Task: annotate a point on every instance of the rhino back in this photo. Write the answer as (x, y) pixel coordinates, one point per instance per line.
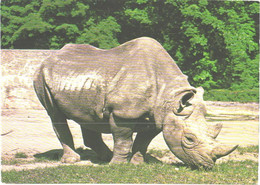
(85, 80)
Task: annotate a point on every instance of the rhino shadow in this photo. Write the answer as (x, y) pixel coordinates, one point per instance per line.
(56, 154)
(151, 159)
(87, 154)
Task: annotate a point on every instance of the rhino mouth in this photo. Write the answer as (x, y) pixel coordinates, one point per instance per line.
(197, 160)
(205, 164)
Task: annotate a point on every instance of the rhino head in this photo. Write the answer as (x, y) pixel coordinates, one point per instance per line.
(187, 133)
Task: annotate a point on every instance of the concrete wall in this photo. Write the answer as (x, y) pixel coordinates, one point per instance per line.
(18, 67)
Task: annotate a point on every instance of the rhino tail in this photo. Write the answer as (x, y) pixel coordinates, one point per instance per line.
(43, 93)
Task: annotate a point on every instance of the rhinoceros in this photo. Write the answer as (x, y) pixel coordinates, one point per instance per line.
(135, 87)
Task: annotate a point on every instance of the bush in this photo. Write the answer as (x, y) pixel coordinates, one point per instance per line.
(250, 95)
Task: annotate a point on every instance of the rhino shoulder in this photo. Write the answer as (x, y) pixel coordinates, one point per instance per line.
(142, 44)
(146, 40)
(80, 47)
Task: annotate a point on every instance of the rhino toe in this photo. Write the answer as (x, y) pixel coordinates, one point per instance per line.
(70, 158)
(137, 158)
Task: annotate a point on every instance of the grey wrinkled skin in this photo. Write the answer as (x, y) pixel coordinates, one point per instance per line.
(135, 87)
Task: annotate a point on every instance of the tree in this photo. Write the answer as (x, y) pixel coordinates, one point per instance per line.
(214, 42)
(50, 24)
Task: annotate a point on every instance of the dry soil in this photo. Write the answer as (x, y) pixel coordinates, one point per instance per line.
(30, 131)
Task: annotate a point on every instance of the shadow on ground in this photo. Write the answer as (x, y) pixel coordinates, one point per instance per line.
(90, 155)
(56, 154)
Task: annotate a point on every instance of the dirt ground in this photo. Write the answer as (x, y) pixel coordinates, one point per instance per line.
(30, 132)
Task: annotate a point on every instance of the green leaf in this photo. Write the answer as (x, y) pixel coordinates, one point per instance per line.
(139, 15)
(101, 34)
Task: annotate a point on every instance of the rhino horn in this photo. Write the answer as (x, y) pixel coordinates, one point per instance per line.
(214, 130)
(222, 150)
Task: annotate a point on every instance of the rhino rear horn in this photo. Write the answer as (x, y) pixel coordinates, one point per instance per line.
(214, 130)
(200, 92)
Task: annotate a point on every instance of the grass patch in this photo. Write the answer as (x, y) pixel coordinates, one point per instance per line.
(24, 161)
(248, 149)
(244, 172)
(230, 172)
(20, 155)
(11, 162)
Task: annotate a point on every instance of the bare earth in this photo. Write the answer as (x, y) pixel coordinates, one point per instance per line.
(30, 132)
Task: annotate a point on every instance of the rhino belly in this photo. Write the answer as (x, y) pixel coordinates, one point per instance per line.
(83, 112)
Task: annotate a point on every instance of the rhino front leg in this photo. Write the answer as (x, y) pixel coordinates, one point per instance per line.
(140, 146)
(94, 140)
(63, 133)
(122, 135)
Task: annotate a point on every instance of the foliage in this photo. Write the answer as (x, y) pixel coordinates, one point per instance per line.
(249, 95)
(215, 43)
(98, 36)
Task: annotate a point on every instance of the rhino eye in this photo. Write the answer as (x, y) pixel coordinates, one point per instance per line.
(189, 140)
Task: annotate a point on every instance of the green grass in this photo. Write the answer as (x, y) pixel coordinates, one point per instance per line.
(231, 172)
(24, 161)
(20, 155)
(248, 149)
(244, 172)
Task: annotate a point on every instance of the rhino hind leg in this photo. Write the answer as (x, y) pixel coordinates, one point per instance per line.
(63, 133)
(59, 121)
(94, 140)
(140, 146)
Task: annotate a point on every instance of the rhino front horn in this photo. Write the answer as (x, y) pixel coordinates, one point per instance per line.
(222, 150)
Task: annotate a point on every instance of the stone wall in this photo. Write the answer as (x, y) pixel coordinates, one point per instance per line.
(18, 67)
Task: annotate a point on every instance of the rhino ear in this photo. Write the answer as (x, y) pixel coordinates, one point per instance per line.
(184, 101)
(186, 98)
(190, 97)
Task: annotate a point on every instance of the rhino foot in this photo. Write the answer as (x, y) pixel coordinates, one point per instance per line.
(119, 159)
(70, 158)
(137, 158)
